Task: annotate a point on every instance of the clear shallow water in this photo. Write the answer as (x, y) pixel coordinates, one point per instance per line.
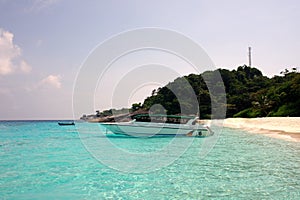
(41, 160)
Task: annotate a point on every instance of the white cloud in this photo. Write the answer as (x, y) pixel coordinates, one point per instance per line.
(8, 51)
(25, 67)
(10, 55)
(5, 91)
(38, 43)
(38, 5)
(52, 80)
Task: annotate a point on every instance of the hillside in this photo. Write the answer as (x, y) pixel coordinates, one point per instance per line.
(248, 92)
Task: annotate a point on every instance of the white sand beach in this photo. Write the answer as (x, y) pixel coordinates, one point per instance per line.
(286, 128)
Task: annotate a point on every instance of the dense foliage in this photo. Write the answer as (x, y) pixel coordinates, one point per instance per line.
(248, 94)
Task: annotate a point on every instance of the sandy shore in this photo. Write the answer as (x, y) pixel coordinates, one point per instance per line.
(286, 128)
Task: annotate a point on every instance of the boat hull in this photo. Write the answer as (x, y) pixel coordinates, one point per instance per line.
(155, 129)
(66, 123)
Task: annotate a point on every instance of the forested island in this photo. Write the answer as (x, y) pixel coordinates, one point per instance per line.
(248, 94)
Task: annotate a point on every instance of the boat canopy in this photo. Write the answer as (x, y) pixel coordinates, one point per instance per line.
(160, 118)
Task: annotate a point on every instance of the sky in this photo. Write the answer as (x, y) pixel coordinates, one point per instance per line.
(43, 44)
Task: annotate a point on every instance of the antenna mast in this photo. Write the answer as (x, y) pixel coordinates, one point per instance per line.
(249, 50)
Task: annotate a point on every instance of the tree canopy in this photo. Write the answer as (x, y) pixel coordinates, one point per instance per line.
(248, 93)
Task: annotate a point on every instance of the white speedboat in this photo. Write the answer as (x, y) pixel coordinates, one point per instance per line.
(159, 125)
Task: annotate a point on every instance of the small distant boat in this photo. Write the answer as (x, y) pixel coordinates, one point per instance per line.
(66, 123)
(159, 125)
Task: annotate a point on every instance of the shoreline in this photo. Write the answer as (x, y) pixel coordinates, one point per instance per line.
(285, 128)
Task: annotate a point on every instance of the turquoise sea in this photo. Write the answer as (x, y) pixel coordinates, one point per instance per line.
(41, 160)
